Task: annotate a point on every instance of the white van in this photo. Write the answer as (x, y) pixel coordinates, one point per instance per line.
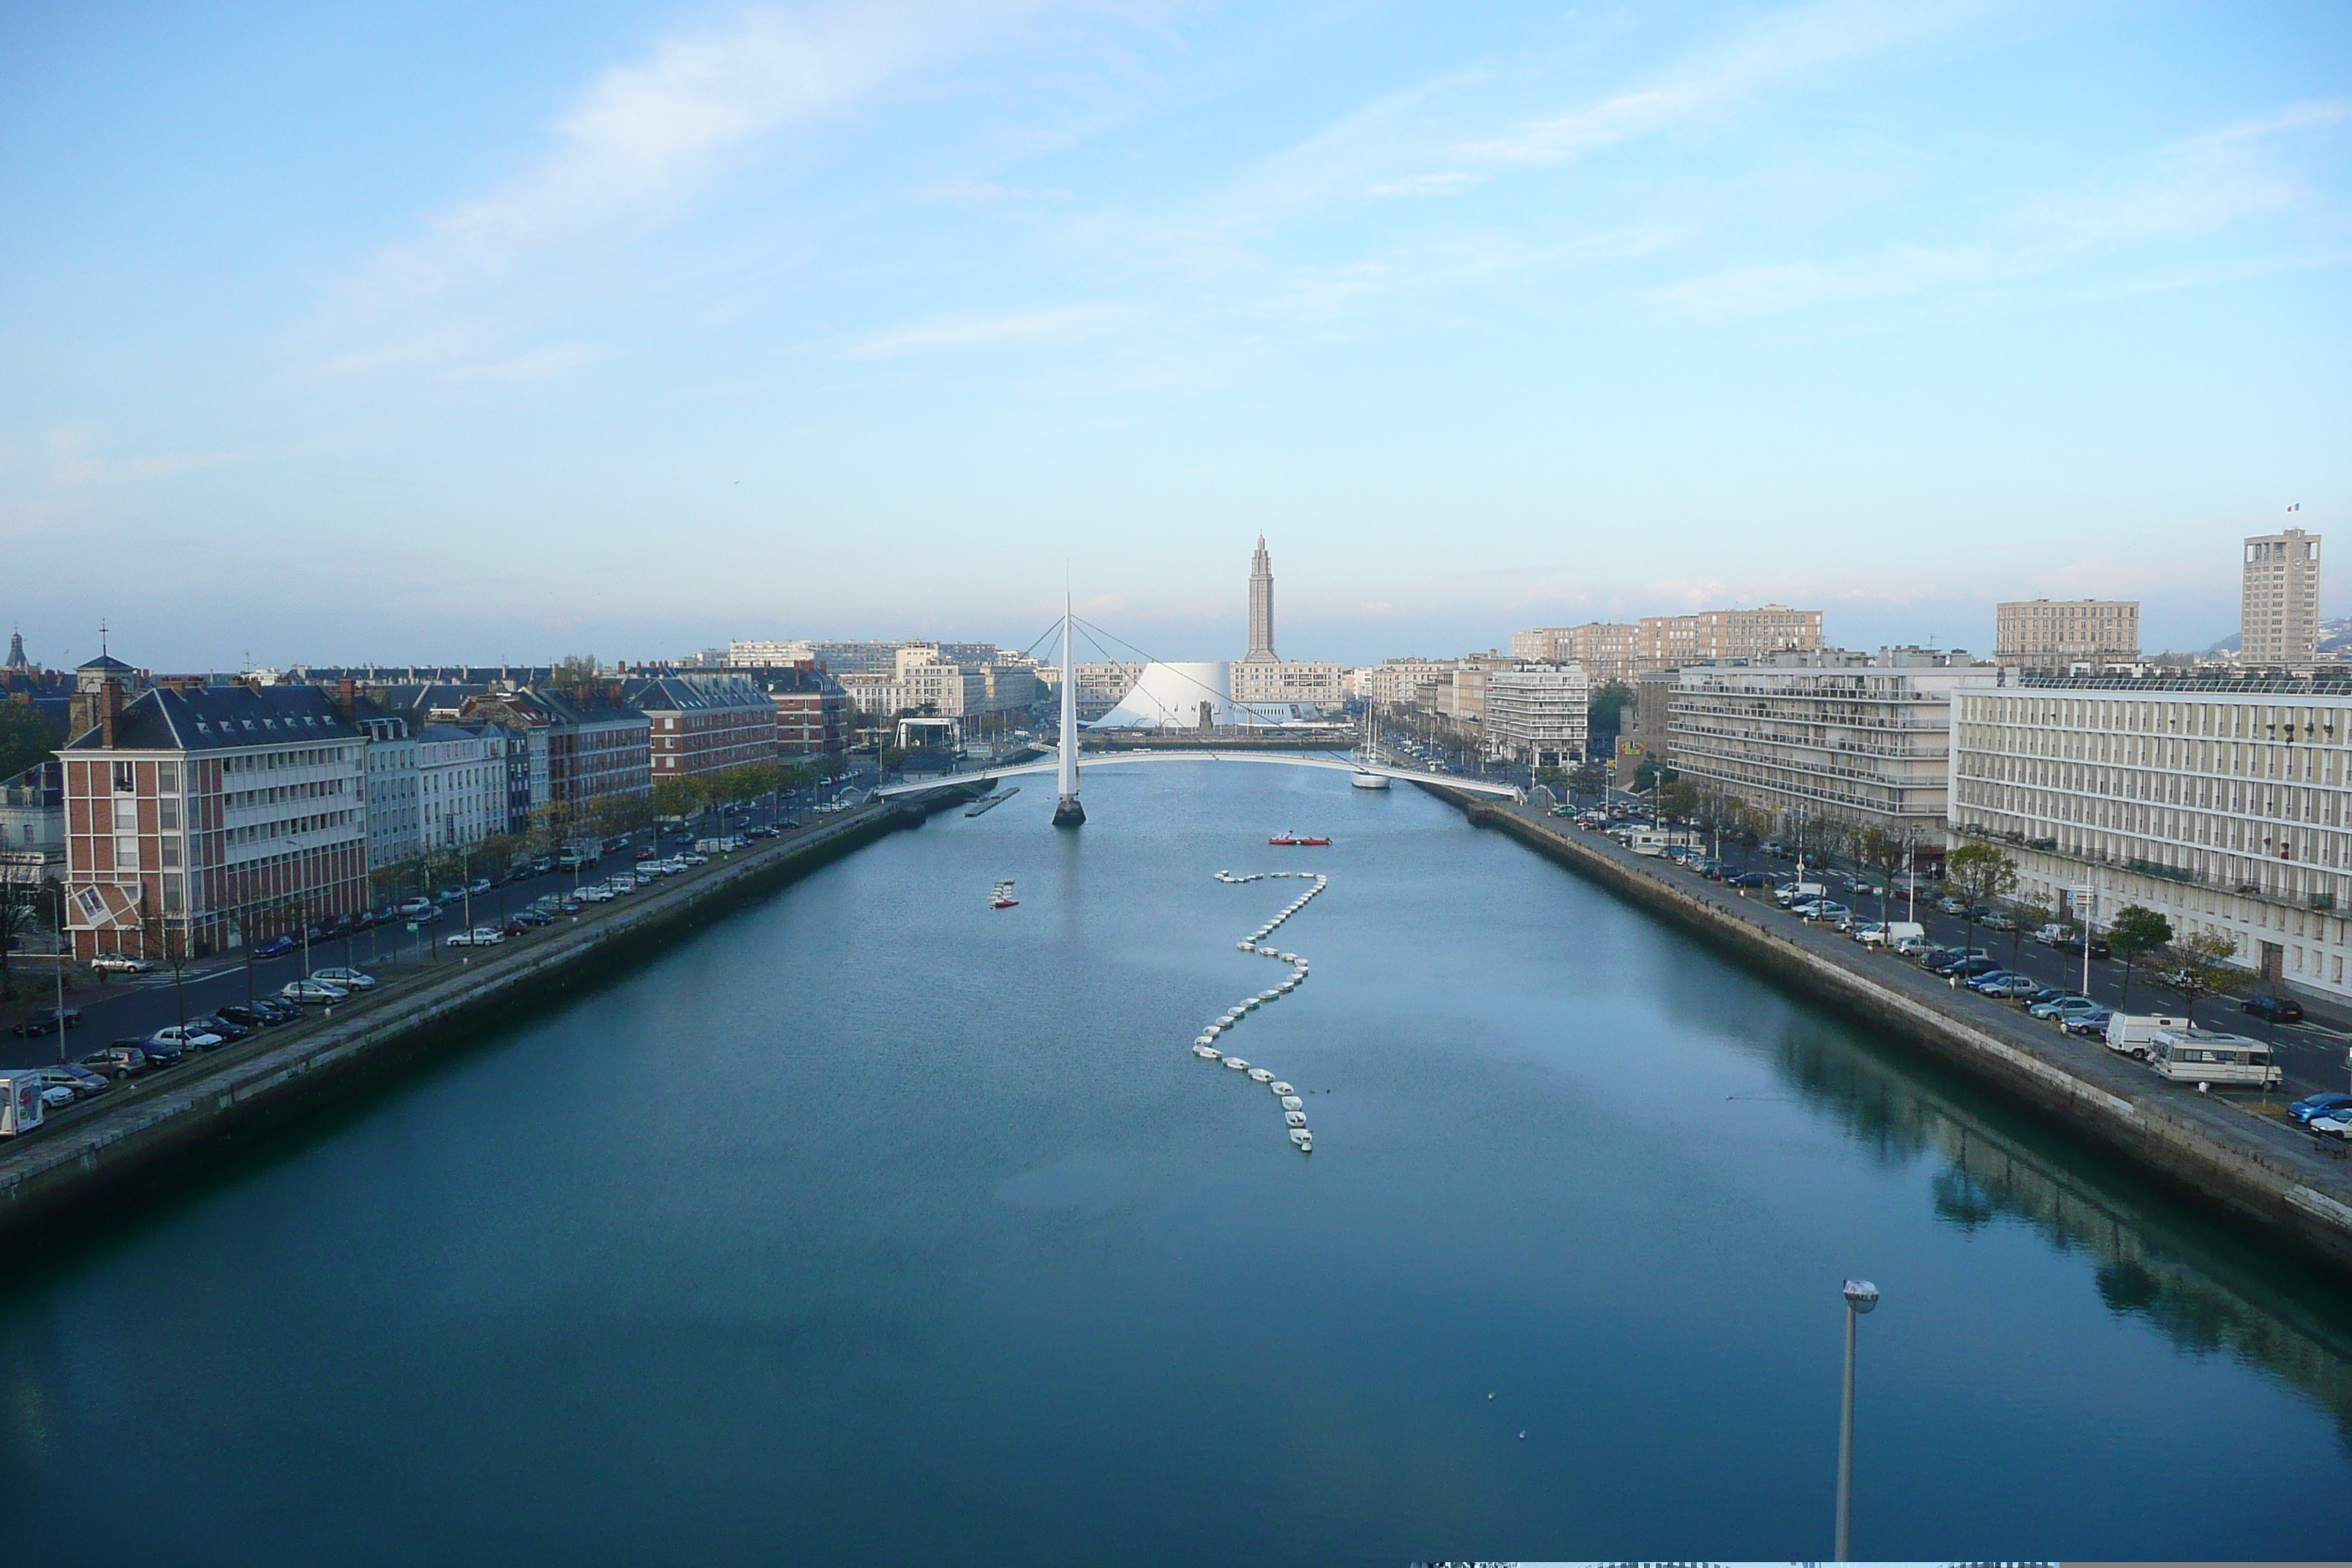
(1890, 933)
(1796, 892)
(20, 1101)
(2196, 1056)
(2131, 1032)
(1647, 841)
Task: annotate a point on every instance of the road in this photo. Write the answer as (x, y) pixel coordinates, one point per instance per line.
(2312, 1055)
(131, 1007)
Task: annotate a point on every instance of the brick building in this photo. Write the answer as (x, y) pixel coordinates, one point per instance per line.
(200, 818)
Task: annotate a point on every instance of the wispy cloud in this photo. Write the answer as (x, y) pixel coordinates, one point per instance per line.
(643, 141)
(2193, 187)
(1063, 325)
(1774, 49)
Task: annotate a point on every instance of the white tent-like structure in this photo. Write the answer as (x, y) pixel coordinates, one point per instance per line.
(1195, 697)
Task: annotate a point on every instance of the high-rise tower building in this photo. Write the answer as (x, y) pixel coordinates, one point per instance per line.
(2280, 620)
(1261, 607)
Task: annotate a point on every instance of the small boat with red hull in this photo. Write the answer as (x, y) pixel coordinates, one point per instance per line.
(1298, 841)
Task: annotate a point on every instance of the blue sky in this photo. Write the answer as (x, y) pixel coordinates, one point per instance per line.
(445, 331)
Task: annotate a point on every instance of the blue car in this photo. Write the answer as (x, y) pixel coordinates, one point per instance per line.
(273, 947)
(2303, 1111)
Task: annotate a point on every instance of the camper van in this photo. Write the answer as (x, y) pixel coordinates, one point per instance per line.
(1647, 841)
(1890, 933)
(2131, 1032)
(20, 1101)
(2197, 1056)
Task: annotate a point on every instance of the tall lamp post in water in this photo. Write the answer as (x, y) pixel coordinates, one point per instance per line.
(1861, 1296)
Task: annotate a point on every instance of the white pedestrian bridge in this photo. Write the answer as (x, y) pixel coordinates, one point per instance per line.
(1281, 759)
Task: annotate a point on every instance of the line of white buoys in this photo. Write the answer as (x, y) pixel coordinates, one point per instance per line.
(1204, 1047)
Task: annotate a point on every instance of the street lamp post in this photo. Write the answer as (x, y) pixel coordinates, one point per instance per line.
(1861, 1296)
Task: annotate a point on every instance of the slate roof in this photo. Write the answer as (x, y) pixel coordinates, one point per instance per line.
(222, 719)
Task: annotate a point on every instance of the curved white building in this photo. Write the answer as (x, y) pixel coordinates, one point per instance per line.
(1194, 697)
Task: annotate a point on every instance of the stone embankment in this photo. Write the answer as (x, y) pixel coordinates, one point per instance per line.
(2226, 1157)
(149, 1121)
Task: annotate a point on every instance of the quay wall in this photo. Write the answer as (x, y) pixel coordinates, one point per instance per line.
(147, 1123)
(2214, 1152)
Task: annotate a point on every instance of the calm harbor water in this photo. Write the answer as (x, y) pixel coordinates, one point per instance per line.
(873, 1221)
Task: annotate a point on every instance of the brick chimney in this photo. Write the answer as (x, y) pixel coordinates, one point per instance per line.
(346, 699)
(110, 710)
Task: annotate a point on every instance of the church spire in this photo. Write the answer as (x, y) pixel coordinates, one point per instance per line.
(1261, 607)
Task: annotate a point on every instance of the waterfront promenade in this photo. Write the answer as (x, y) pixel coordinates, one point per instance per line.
(2221, 1150)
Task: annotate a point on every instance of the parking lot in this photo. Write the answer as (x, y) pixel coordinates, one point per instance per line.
(2315, 1054)
(132, 1008)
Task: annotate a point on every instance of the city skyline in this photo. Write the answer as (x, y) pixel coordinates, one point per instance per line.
(654, 328)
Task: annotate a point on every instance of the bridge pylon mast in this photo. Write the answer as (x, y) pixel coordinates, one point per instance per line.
(1067, 812)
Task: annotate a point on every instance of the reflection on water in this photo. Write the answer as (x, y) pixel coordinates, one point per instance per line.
(2180, 1272)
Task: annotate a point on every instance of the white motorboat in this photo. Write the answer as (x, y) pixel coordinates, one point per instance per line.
(1237, 1064)
(1206, 1053)
(1292, 1103)
(1296, 1118)
(1303, 1139)
(1259, 1075)
(1279, 1087)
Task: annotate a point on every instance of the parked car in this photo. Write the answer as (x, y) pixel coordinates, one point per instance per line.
(81, 1082)
(229, 1033)
(122, 1060)
(2072, 943)
(516, 927)
(2335, 1126)
(121, 964)
(56, 1096)
(346, 978)
(185, 1035)
(414, 909)
(1912, 947)
(531, 918)
(1952, 906)
(160, 1053)
(2319, 1105)
(2092, 1024)
(2070, 1007)
(449, 896)
(48, 1021)
(480, 936)
(1967, 969)
(480, 885)
(249, 1017)
(273, 947)
(1824, 909)
(1999, 922)
(2276, 1009)
(2009, 987)
(311, 992)
(277, 1009)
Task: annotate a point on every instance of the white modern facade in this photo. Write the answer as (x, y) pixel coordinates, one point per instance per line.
(1857, 738)
(1537, 714)
(2224, 803)
(395, 817)
(461, 786)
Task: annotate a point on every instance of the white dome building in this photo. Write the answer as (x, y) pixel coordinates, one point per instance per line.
(1195, 697)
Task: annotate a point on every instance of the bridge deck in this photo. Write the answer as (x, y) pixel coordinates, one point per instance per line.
(1113, 758)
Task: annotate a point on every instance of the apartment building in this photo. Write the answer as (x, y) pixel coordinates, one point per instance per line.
(1608, 650)
(1309, 681)
(1825, 734)
(1537, 714)
(395, 817)
(2279, 618)
(2222, 802)
(1403, 682)
(584, 744)
(812, 712)
(698, 724)
(199, 817)
(2044, 634)
(461, 785)
(1670, 642)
